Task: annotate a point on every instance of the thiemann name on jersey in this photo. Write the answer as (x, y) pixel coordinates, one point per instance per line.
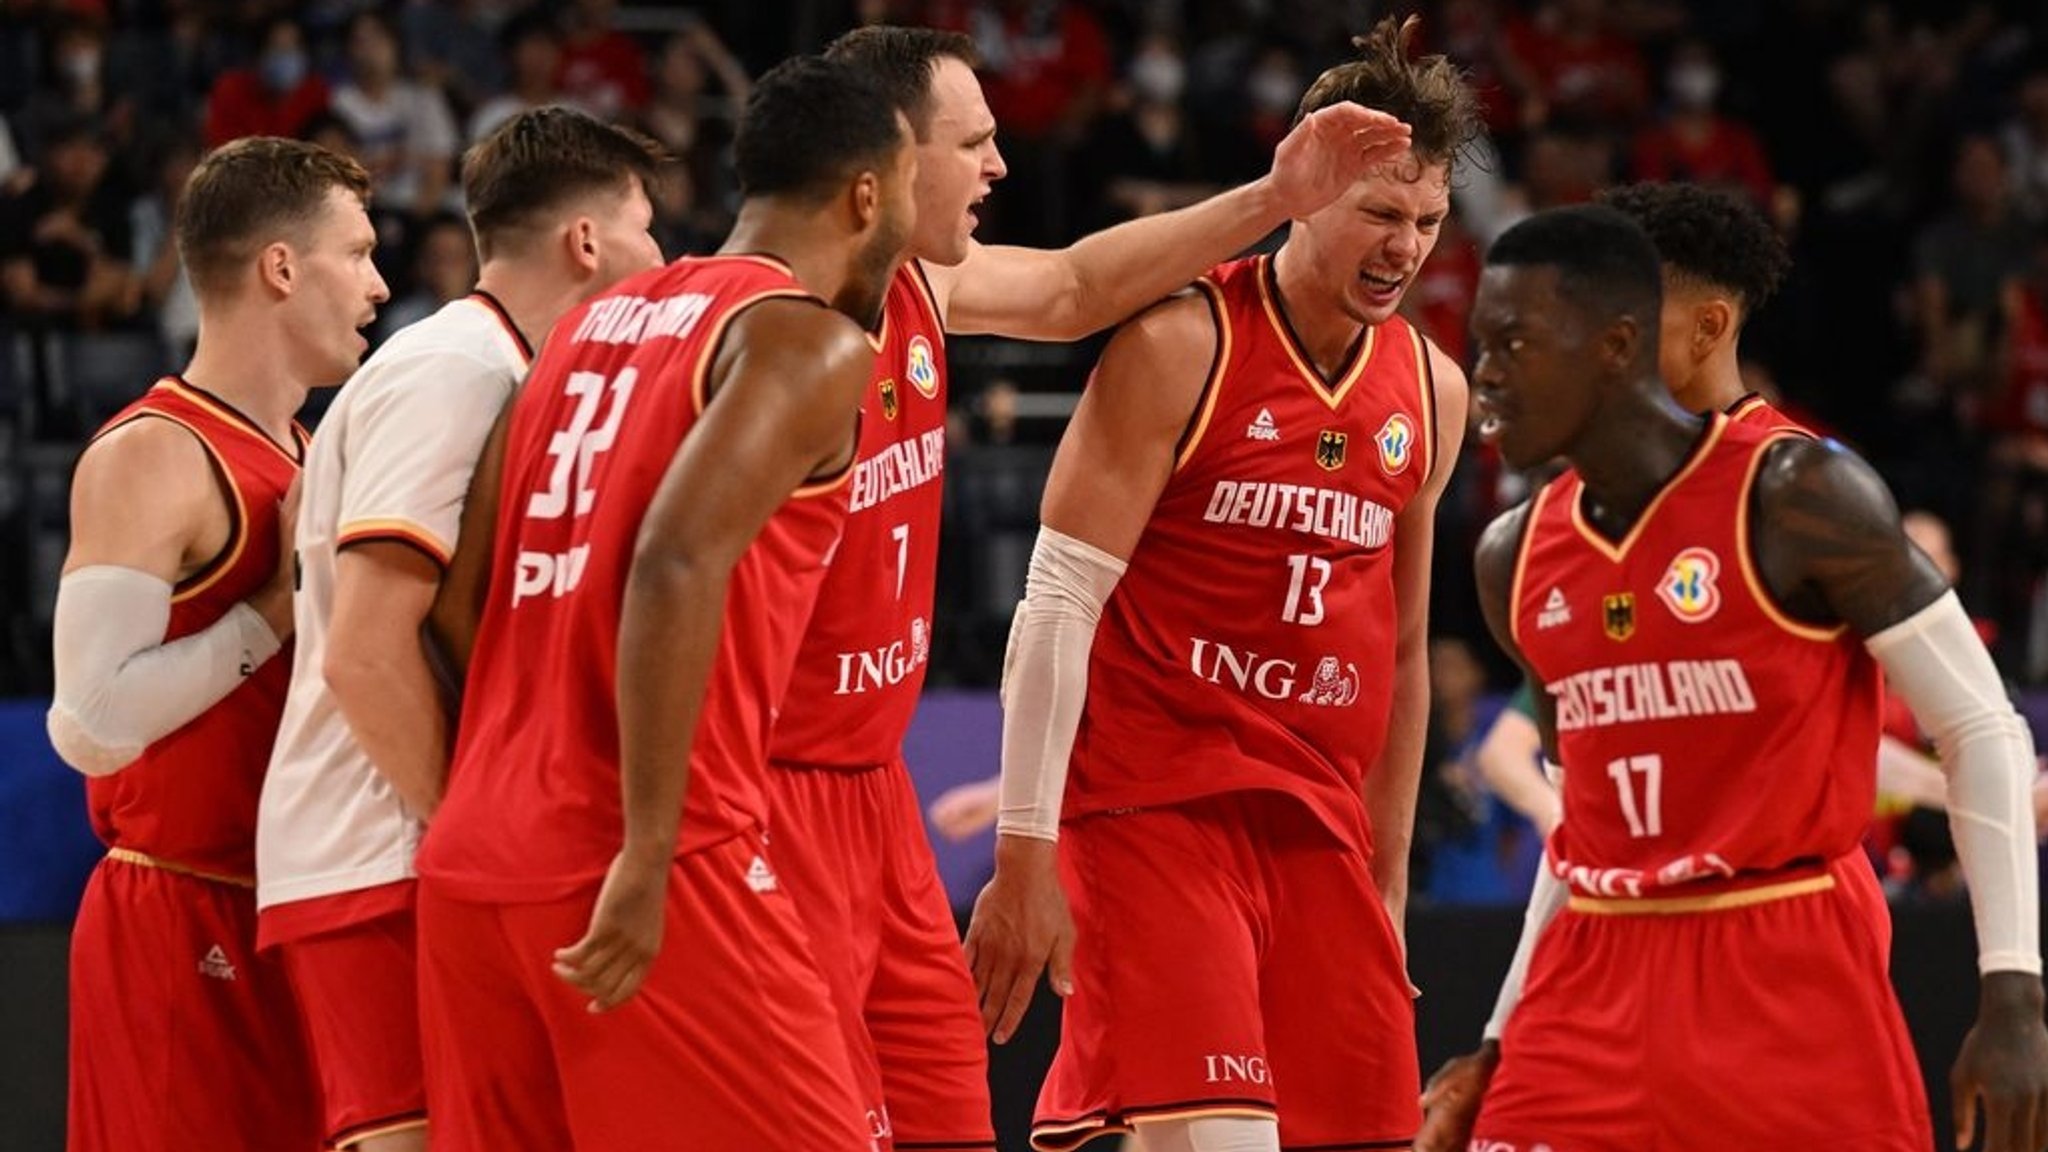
(897, 469)
(1628, 693)
(1330, 513)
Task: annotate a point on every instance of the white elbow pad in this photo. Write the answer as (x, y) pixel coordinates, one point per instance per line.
(119, 687)
(1045, 678)
(1936, 663)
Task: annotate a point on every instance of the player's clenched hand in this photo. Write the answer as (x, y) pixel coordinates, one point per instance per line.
(624, 934)
(1450, 1102)
(1329, 151)
(1020, 927)
(2005, 1061)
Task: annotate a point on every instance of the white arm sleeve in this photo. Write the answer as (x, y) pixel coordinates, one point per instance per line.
(119, 686)
(1936, 663)
(1545, 901)
(1045, 678)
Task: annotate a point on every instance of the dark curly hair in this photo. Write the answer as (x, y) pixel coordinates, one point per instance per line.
(1709, 237)
(1429, 94)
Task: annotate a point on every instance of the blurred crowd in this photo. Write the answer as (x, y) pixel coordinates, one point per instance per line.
(1901, 146)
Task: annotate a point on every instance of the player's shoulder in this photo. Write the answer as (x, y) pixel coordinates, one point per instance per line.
(1799, 475)
(798, 326)
(1173, 334)
(460, 353)
(147, 458)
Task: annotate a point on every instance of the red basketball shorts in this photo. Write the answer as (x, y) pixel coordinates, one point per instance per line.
(358, 994)
(732, 1041)
(182, 1036)
(1758, 1017)
(1232, 957)
(852, 851)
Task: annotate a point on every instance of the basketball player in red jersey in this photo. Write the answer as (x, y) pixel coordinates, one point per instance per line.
(558, 206)
(1721, 262)
(674, 482)
(1244, 499)
(173, 608)
(1708, 604)
(842, 793)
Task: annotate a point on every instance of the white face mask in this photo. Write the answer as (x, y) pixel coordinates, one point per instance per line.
(1694, 85)
(1159, 77)
(81, 68)
(1274, 90)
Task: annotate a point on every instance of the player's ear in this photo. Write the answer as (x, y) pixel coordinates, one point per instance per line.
(1622, 340)
(1712, 323)
(580, 239)
(275, 267)
(864, 198)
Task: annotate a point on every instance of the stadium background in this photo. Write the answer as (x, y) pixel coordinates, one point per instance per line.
(1901, 148)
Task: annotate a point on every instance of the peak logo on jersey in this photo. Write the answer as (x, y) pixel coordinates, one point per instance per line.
(760, 877)
(215, 964)
(1688, 585)
(1618, 615)
(1555, 611)
(922, 368)
(1396, 440)
(1330, 449)
(1262, 427)
(890, 404)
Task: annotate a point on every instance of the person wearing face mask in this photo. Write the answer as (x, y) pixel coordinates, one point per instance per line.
(1695, 143)
(1144, 156)
(277, 94)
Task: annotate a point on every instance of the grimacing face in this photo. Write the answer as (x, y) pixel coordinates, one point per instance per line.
(957, 163)
(1368, 245)
(1534, 380)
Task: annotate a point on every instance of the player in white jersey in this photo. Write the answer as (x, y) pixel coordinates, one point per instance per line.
(559, 207)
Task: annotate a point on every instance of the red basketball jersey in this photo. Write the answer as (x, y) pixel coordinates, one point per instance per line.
(191, 797)
(863, 658)
(533, 809)
(1704, 732)
(1250, 644)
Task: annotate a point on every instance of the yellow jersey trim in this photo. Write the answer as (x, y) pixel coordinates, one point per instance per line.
(1751, 577)
(1330, 394)
(145, 860)
(357, 531)
(1714, 902)
(234, 418)
(1522, 546)
(1618, 552)
(1212, 387)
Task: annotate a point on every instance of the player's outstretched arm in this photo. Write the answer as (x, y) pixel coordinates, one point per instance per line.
(1829, 547)
(1451, 1100)
(1113, 462)
(1065, 294)
(1390, 787)
(788, 379)
(146, 512)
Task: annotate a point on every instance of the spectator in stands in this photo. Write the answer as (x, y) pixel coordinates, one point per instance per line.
(1145, 155)
(64, 237)
(444, 269)
(1694, 143)
(454, 47)
(696, 124)
(79, 88)
(1584, 73)
(2025, 137)
(166, 290)
(276, 96)
(603, 70)
(533, 53)
(1963, 262)
(406, 134)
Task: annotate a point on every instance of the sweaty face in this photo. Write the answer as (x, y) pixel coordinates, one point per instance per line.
(625, 244)
(1533, 379)
(1368, 245)
(336, 288)
(957, 162)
